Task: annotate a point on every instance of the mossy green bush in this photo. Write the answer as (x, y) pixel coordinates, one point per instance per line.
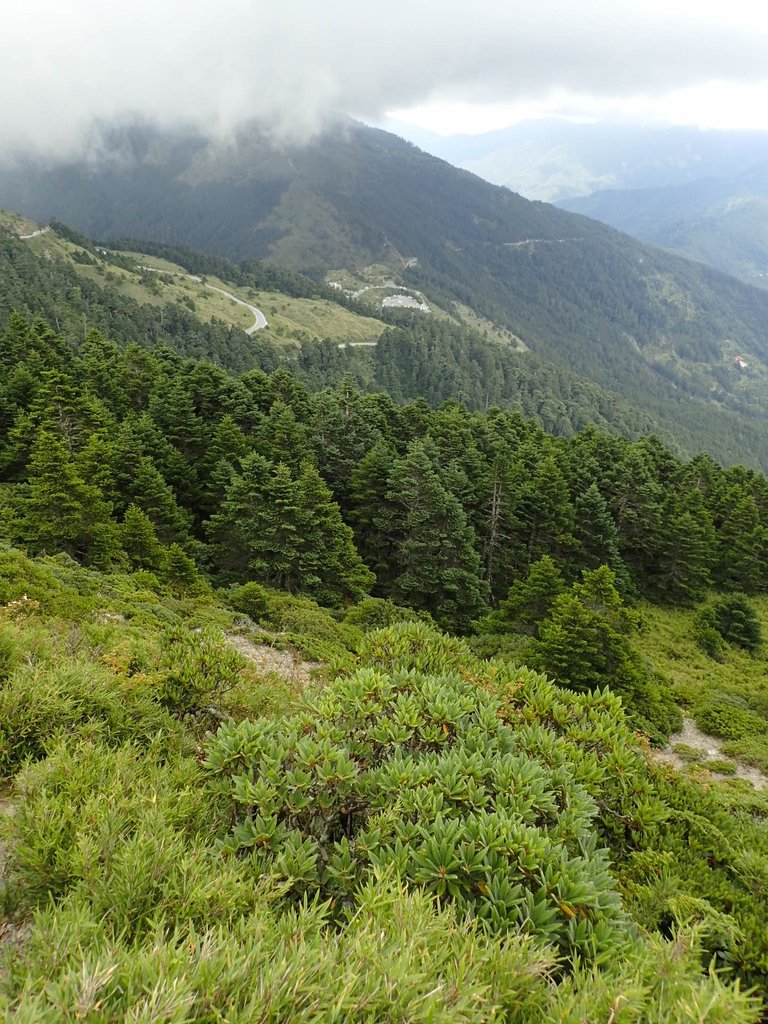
(737, 622)
(720, 766)
(252, 599)
(707, 635)
(302, 623)
(378, 612)
(689, 754)
(728, 722)
(752, 750)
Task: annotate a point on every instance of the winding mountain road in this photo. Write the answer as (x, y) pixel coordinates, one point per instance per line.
(36, 234)
(260, 321)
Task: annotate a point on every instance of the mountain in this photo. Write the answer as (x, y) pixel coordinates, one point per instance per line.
(363, 208)
(556, 160)
(722, 221)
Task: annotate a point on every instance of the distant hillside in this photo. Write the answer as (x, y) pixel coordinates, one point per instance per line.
(721, 221)
(659, 332)
(556, 160)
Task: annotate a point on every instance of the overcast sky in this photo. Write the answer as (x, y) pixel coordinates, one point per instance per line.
(440, 63)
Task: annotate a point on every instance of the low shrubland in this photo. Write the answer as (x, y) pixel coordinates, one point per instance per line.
(430, 835)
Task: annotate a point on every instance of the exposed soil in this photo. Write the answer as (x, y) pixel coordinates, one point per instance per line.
(288, 665)
(692, 736)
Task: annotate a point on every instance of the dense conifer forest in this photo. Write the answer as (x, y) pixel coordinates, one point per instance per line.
(327, 685)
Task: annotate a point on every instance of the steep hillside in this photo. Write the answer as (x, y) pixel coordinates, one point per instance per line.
(722, 221)
(659, 331)
(76, 286)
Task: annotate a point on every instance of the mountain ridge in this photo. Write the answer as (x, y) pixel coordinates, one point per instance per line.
(659, 331)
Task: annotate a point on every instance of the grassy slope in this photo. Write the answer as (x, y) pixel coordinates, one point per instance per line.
(700, 681)
(287, 316)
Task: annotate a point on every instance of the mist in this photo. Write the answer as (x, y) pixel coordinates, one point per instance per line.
(214, 66)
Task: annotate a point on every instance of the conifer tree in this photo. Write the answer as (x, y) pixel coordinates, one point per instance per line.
(139, 540)
(685, 549)
(179, 569)
(529, 600)
(742, 545)
(59, 511)
(255, 530)
(596, 532)
(281, 438)
(438, 568)
(584, 643)
(373, 513)
(546, 515)
(330, 568)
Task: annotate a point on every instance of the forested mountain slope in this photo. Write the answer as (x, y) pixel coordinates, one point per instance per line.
(75, 285)
(659, 331)
(722, 221)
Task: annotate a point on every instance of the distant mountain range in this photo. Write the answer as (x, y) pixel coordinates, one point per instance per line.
(661, 332)
(722, 221)
(557, 160)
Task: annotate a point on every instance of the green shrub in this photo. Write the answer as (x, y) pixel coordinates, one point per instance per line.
(418, 773)
(310, 628)
(737, 621)
(752, 750)
(40, 702)
(511, 646)
(197, 669)
(252, 599)
(689, 754)
(378, 612)
(721, 767)
(723, 719)
(707, 636)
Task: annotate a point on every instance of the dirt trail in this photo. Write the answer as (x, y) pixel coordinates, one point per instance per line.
(712, 749)
(287, 664)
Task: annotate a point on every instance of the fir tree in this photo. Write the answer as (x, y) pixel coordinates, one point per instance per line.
(439, 568)
(585, 641)
(596, 532)
(139, 540)
(742, 545)
(60, 511)
(528, 601)
(685, 549)
(330, 568)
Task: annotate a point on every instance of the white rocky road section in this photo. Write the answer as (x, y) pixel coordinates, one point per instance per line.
(36, 234)
(260, 321)
(711, 748)
(288, 664)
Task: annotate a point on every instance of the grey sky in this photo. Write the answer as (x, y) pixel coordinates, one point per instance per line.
(65, 62)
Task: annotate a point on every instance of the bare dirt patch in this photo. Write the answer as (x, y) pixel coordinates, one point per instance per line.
(288, 665)
(711, 748)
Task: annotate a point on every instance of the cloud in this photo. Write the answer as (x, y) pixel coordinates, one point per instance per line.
(215, 65)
